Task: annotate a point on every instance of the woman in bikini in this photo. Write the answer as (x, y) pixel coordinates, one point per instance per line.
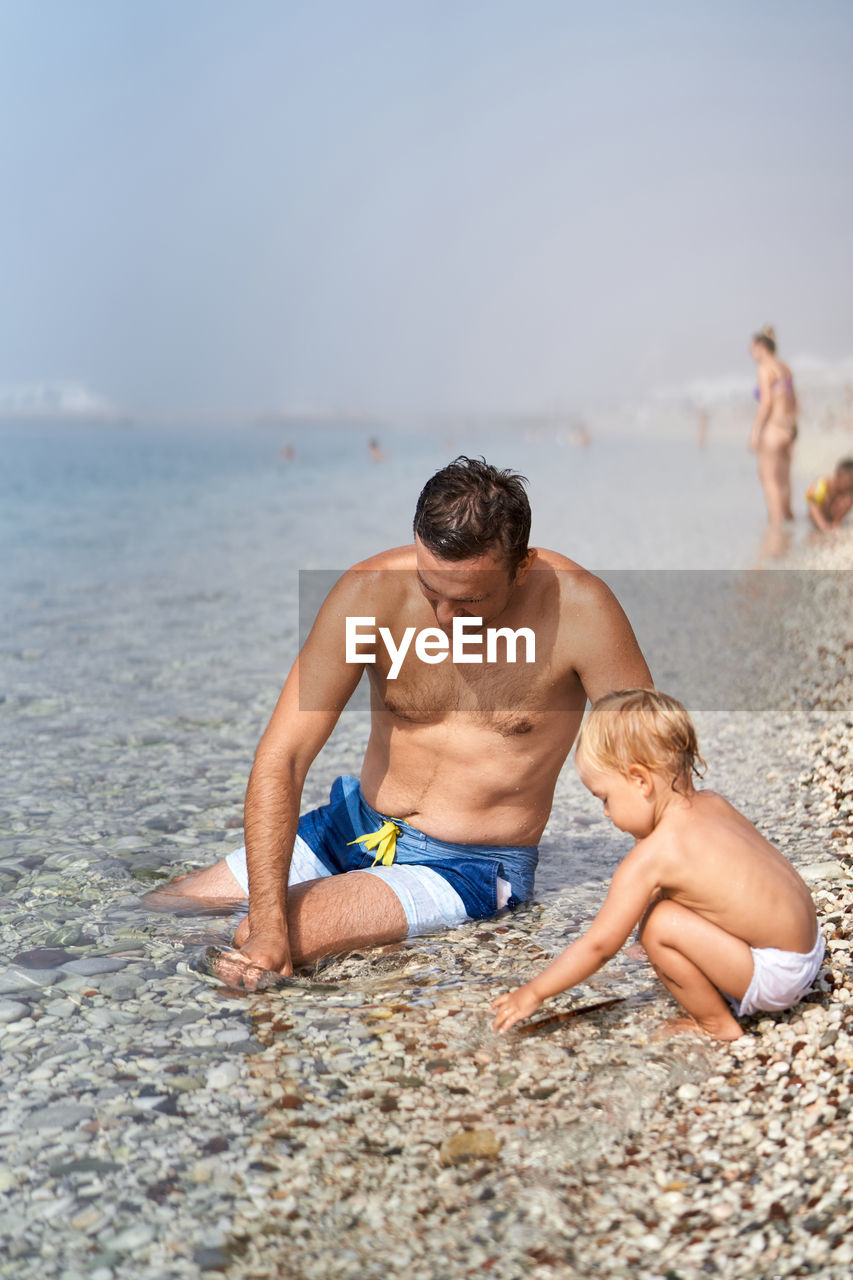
(775, 427)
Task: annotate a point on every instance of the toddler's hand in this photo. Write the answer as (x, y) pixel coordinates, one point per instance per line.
(513, 1006)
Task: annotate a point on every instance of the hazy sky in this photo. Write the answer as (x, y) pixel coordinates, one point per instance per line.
(418, 205)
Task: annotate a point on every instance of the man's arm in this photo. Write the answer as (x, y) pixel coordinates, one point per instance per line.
(605, 652)
(320, 684)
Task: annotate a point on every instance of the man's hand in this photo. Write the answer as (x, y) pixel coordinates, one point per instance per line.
(258, 955)
(513, 1006)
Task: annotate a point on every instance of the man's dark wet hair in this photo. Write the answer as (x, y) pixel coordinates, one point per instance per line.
(470, 508)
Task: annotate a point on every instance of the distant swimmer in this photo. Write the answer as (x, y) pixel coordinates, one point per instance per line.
(286, 454)
(375, 451)
(830, 497)
(775, 427)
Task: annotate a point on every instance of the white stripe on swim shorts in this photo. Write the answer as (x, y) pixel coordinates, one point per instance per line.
(428, 900)
(304, 865)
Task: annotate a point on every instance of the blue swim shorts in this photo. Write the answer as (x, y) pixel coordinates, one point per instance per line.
(438, 884)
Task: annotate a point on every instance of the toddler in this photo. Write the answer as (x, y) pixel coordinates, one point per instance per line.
(831, 497)
(724, 917)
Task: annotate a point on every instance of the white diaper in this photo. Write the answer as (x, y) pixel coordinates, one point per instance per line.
(779, 978)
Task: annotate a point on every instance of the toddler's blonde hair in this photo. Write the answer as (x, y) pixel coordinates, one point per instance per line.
(641, 726)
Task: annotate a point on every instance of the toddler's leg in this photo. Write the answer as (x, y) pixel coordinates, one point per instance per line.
(696, 960)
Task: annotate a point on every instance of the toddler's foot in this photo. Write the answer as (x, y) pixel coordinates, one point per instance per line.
(717, 1028)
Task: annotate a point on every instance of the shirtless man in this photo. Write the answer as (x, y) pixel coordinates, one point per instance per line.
(463, 757)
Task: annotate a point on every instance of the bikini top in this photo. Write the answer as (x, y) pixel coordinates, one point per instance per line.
(787, 383)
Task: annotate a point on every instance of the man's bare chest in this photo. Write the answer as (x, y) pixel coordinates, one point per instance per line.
(507, 697)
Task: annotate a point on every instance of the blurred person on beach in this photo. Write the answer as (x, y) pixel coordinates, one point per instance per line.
(459, 772)
(830, 497)
(774, 429)
(727, 923)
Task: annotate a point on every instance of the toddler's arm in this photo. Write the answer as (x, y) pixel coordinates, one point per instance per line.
(633, 885)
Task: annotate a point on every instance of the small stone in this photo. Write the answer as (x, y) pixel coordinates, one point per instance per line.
(12, 1010)
(474, 1144)
(87, 1219)
(223, 1075)
(131, 1238)
(824, 871)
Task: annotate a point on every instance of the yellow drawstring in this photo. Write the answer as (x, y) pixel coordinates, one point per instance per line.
(384, 841)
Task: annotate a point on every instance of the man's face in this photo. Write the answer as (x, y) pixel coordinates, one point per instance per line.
(478, 588)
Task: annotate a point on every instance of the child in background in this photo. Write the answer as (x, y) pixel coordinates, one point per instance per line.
(724, 917)
(831, 497)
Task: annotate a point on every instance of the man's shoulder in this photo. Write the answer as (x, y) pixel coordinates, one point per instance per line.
(395, 558)
(578, 586)
(379, 579)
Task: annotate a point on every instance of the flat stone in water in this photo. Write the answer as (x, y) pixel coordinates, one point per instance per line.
(120, 987)
(89, 966)
(43, 958)
(12, 1010)
(16, 980)
(87, 1164)
(62, 1115)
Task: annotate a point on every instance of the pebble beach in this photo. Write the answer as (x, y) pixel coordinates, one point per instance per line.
(363, 1120)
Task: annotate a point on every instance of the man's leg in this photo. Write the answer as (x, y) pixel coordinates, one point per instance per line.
(339, 913)
(324, 918)
(214, 886)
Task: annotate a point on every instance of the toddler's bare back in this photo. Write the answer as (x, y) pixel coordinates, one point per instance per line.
(713, 860)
